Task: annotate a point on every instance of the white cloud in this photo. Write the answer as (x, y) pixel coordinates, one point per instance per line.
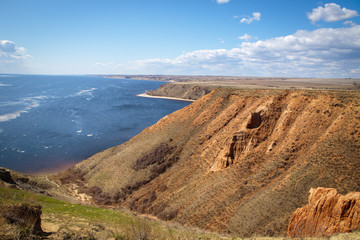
(255, 17)
(7, 46)
(12, 58)
(245, 37)
(324, 52)
(222, 1)
(8, 51)
(331, 13)
(350, 23)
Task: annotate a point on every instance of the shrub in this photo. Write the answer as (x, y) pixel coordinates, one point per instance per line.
(168, 214)
(71, 176)
(156, 156)
(139, 230)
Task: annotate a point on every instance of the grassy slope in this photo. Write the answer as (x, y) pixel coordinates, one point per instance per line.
(86, 222)
(66, 219)
(61, 215)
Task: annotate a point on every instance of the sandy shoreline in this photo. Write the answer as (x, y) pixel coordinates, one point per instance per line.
(170, 98)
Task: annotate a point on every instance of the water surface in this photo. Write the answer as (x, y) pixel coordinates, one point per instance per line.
(47, 122)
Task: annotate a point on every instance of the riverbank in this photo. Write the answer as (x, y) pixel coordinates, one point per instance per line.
(170, 98)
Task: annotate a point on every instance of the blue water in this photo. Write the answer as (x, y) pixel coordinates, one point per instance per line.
(47, 122)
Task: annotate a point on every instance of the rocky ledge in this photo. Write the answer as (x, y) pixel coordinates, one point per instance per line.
(327, 213)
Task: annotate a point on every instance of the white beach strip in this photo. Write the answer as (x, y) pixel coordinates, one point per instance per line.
(170, 98)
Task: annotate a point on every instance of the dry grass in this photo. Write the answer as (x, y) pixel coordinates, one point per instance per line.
(84, 222)
(73, 221)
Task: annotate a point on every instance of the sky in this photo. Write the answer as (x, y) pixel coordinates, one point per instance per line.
(278, 38)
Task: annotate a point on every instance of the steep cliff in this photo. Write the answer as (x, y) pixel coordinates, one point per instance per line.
(327, 213)
(237, 161)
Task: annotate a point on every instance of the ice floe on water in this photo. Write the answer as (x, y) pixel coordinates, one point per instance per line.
(35, 98)
(87, 92)
(11, 116)
(28, 102)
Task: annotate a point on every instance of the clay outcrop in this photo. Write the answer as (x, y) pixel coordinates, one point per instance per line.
(6, 176)
(26, 217)
(327, 213)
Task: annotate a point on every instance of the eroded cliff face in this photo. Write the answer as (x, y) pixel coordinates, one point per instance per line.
(238, 161)
(326, 213)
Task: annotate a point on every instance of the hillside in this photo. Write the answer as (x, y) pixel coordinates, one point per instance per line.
(234, 161)
(183, 91)
(30, 215)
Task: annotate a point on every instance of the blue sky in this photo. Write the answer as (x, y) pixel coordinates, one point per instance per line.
(300, 38)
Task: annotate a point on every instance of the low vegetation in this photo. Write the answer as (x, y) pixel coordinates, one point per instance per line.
(63, 220)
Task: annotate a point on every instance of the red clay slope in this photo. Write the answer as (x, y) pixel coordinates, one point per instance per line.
(237, 161)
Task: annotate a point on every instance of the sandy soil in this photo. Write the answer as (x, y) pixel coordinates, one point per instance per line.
(172, 98)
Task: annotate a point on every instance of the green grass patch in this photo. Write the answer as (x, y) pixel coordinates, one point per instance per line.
(119, 224)
(64, 209)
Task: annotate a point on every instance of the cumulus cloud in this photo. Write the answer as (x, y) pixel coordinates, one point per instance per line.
(324, 52)
(245, 37)
(9, 52)
(7, 46)
(12, 58)
(331, 13)
(222, 1)
(255, 17)
(350, 23)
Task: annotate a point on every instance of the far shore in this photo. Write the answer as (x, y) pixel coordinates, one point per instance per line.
(252, 82)
(170, 98)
